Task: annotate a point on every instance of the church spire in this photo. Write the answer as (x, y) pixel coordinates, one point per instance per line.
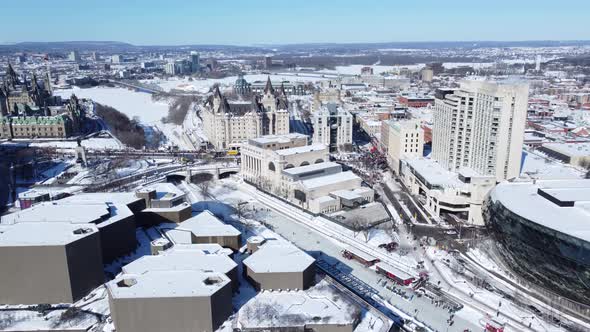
(268, 88)
(11, 75)
(216, 92)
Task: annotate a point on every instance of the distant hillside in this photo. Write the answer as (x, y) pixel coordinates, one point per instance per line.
(67, 45)
(332, 47)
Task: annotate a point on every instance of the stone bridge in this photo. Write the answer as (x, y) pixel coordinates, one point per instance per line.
(196, 174)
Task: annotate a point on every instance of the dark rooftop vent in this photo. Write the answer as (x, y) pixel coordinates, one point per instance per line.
(127, 282)
(212, 280)
(80, 231)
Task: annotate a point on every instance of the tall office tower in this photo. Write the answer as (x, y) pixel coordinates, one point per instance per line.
(332, 126)
(481, 126)
(267, 62)
(74, 56)
(195, 65)
(171, 68)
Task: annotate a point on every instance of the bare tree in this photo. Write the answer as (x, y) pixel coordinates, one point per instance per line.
(361, 225)
(366, 230)
(204, 186)
(355, 224)
(241, 209)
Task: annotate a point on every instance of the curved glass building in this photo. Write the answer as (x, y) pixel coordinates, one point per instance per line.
(543, 230)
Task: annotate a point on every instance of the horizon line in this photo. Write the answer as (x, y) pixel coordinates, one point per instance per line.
(300, 43)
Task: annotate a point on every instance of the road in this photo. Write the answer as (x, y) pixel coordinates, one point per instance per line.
(435, 269)
(296, 123)
(296, 229)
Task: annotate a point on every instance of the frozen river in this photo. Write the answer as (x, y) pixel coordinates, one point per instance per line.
(133, 104)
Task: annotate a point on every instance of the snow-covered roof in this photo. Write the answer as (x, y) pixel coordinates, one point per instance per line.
(570, 149)
(181, 259)
(311, 168)
(315, 306)
(164, 190)
(174, 208)
(352, 193)
(98, 198)
(329, 179)
(538, 203)
(434, 173)
(373, 212)
(179, 283)
(71, 213)
(43, 234)
(302, 149)
(325, 199)
(278, 138)
(206, 224)
(206, 248)
(278, 256)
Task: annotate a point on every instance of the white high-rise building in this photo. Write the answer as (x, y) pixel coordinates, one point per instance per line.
(116, 58)
(481, 126)
(402, 139)
(74, 56)
(332, 126)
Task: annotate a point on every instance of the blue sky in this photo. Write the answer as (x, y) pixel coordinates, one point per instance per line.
(245, 22)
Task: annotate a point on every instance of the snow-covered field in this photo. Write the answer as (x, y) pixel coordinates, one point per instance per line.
(378, 69)
(91, 143)
(356, 69)
(131, 103)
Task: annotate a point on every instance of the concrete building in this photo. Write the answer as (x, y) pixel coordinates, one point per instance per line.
(172, 301)
(74, 56)
(577, 154)
(416, 101)
(114, 220)
(279, 265)
(461, 193)
(206, 228)
(30, 197)
(326, 193)
(49, 262)
(403, 139)
(171, 68)
(164, 203)
(116, 58)
(542, 232)
(480, 126)
(267, 62)
(230, 123)
(332, 126)
(426, 74)
(264, 158)
(370, 123)
(300, 173)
